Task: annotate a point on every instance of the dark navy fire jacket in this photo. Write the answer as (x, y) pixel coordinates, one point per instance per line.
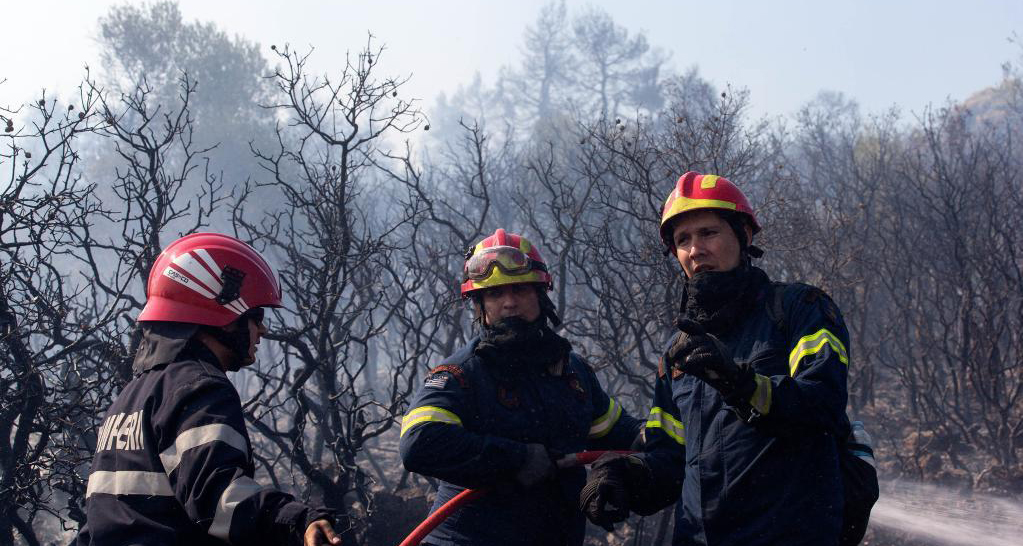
(173, 465)
(468, 426)
(772, 480)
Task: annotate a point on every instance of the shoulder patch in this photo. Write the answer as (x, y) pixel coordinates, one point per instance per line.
(812, 294)
(508, 396)
(576, 385)
(454, 370)
(830, 310)
(822, 301)
(436, 381)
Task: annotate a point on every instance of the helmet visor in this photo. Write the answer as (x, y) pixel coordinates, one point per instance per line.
(510, 260)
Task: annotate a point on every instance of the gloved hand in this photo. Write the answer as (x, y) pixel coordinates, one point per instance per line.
(702, 355)
(611, 488)
(538, 467)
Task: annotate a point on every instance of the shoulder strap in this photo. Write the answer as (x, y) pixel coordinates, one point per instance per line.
(776, 306)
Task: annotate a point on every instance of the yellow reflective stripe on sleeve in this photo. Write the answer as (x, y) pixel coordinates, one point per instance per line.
(811, 344)
(761, 399)
(425, 414)
(603, 424)
(664, 421)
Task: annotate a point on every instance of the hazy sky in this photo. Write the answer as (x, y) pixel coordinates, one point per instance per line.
(905, 52)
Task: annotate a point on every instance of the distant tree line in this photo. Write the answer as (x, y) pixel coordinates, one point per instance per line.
(913, 225)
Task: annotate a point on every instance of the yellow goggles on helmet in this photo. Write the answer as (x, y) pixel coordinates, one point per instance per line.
(510, 260)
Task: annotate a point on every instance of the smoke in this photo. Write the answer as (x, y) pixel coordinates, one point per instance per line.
(949, 517)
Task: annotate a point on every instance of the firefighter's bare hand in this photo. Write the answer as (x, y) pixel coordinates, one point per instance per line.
(320, 533)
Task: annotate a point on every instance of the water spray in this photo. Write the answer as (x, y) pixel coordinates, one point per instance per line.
(948, 517)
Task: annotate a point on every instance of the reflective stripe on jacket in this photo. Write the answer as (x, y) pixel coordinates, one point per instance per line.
(469, 427)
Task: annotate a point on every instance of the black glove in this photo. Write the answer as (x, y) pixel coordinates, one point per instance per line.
(703, 356)
(614, 482)
(538, 467)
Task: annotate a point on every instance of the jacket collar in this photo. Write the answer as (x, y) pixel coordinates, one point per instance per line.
(161, 343)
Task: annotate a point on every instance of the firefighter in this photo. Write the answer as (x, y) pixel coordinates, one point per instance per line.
(747, 415)
(173, 462)
(499, 412)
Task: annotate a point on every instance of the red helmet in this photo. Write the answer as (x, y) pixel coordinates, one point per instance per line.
(503, 258)
(695, 191)
(208, 278)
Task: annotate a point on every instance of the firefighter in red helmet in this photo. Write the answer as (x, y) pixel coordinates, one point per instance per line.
(499, 411)
(748, 429)
(173, 462)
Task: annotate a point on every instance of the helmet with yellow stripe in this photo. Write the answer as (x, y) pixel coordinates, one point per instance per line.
(503, 258)
(695, 191)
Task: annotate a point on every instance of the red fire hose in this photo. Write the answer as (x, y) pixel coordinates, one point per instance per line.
(434, 519)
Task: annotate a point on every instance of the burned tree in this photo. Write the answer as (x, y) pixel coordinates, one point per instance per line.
(950, 264)
(333, 237)
(460, 203)
(43, 330)
(161, 184)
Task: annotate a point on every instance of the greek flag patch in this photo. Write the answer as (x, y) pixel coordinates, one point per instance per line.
(436, 381)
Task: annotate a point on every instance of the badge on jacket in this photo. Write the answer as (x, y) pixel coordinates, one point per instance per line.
(452, 369)
(824, 303)
(508, 397)
(575, 385)
(436, 381)
(830, 310)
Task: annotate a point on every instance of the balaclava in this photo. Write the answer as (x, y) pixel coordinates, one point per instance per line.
(716, 299)
(515, 343)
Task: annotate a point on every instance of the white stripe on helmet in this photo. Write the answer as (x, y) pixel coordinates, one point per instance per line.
(202, 282)
(201, 252)
(192, 266)
(239, 306)
(180, 278)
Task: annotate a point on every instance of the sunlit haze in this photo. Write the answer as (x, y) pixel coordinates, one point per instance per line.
(910, 53)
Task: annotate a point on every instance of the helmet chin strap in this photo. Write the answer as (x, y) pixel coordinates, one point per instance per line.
(236, 342)
(747, 251)
(547, 308)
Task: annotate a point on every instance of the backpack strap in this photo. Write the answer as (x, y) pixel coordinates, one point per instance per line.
(776, 307)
